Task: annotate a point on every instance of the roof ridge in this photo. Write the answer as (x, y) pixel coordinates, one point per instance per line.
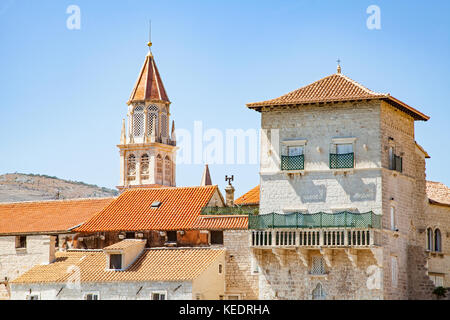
(360, 85)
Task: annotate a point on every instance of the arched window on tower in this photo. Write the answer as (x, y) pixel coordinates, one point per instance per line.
(318, 292)
(131, 167)
(429, 239)
(167, 171)
(159, 169)
(163, 122)
(152, 120)
(138, 121)
(437, 240)
(145, 167)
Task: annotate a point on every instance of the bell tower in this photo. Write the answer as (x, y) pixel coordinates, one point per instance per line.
(148, 148)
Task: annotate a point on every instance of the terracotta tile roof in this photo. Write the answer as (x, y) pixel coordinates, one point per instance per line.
(132, 210)
(438, 193)
(149, 85)
(152, 265)
(221, 223)
(250, 198)
(48, 216)
(335, 88)
(124, 244)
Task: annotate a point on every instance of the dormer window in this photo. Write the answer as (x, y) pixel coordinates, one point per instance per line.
(115, 261)
(156, 204)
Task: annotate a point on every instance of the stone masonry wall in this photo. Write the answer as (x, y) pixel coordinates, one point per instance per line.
(107, 291)
(238, 277)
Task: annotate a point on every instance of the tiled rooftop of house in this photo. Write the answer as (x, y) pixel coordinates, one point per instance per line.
(250, 198)
(48, 216)
(335, 88)
(213, 222)
(132, 211)
(152, 265)
(438, 193)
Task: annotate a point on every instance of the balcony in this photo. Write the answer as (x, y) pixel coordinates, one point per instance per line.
(319, 220)
(289, 163)
(342, 161)
(313, 238)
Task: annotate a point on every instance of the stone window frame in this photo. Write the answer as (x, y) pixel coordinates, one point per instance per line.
(285, 144)
(312, 272)
(437, 240)
(138, 119)
(431, 239)
(131, 170)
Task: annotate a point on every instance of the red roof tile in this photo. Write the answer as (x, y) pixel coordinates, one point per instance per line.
(132, 211)
(149, 85)
(335, 88)
(48, 216)
(250, 198)
(221, 222)
(152, 265)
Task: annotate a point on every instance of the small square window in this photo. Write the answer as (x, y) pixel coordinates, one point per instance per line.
(33, 297)
(216, 237)
(115, 261)
(21, 242)
(171, 236)
(159, 296)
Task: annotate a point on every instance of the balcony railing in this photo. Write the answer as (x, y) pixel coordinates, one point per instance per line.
(342, 161)
(237, 210)
(293, 162)
(299, 220)
(313, 238)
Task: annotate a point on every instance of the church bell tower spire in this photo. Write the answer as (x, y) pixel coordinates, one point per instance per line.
(148, 150)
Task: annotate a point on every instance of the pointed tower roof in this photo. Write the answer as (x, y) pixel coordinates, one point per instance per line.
(149, 85)
(206, 177)
(335, 88)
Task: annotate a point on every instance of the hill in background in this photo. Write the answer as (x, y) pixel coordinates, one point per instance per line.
(17, 187)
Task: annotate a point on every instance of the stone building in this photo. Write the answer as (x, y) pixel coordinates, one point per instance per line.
(343, 196)
(437, 233)
(32, 232)
(127, 271)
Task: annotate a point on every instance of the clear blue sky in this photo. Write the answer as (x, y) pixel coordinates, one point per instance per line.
(63, 92)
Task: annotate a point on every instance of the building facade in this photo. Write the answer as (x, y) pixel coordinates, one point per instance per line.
(342, 197)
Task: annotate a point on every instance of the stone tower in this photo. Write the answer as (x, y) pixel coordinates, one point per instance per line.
(148, 148)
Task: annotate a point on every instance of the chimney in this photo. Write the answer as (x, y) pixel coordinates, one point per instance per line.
(229, 192)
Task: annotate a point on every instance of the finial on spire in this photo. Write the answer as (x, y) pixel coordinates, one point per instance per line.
(149, 44)
(339, 66)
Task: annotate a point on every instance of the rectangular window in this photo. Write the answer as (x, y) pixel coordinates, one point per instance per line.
(294, 160)
(393, 220)
(395, 162)
(394, 271)
(171, 236)
(342, 156)
(159, 296)
(115, 261)
(295, 151)
(33, 297)
(438, 280)
(216, 237)
(91, 296)
(317, 265)
(21, 242)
